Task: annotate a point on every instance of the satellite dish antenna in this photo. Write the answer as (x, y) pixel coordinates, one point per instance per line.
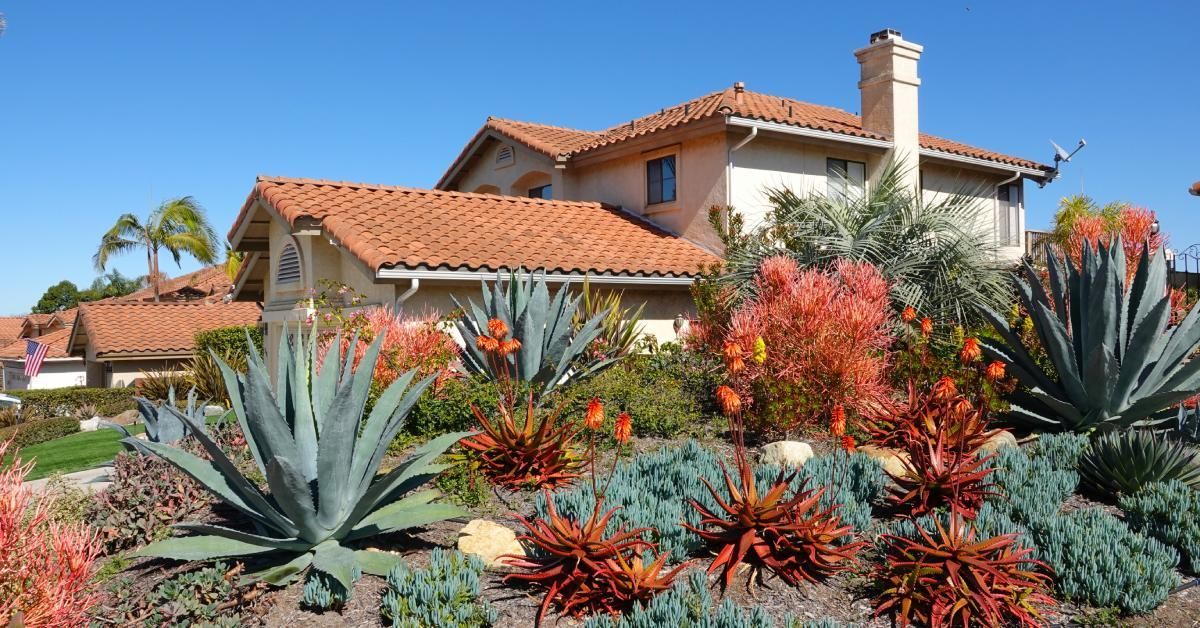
(1061, 156)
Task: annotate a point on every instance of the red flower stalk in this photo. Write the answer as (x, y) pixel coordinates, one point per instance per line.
(970, 351)
(537, 453)
(948, 577)
(497, 329)
(728, 400)
(508, 347)
(734, 363)
(926, 326)
(909, 314)
(849, 444)
(994, 371)
(487, 344)
(837, 421)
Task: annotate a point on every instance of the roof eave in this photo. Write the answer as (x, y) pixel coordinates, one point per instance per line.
(447, 274)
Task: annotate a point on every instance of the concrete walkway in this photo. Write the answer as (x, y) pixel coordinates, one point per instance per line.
(93, 480)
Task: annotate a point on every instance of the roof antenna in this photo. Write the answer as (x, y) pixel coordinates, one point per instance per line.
(1061, 156)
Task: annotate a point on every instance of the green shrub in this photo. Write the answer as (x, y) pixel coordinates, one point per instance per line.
(448, 409)
(41, 431)
(650, 390)
(229, 340)
(194, 598)
(147, 495)
(1169, 512)
(652, 490)
(57, 402)
(443, 595)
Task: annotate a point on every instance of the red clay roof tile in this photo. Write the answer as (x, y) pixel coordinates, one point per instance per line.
(115, 328)
(57, 340)
(388, 226)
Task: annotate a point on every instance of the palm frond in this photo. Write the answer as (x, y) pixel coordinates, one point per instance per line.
(180, 226)
(126, 234)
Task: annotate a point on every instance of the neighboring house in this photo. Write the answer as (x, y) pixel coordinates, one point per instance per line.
(627, 205)
(209, 283)
(59, 368)
(10, 329)
(36, 325)
(728, 147)
(119, 341)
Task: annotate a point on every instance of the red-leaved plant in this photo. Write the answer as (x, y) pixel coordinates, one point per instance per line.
(1135, 227)
(948, 577)
(828, 333)
(44, 566)
(938, 474)
(964, 423)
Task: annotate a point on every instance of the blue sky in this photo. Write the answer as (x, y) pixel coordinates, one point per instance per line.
(112, 107)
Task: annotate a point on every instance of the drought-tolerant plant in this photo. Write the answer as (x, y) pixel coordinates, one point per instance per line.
(535, 449)
(320, 458)
(620, 327)
(205, 374)
(943, 468)
(807, 341)
(85, 411)
(323, 593)
(1030, 488)
(45, 566)
(158, 385)
(448, 407)
(1121, 463)
(951, 575)
(1169, 512)
(555, 351)
(443, 595)
(938, 256)
(1061, 451)
(164, 423)
(1117, 361)
(208, 596)
(941, 408)
(146, 497)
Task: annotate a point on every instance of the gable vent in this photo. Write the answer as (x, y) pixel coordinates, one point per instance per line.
(505, 156)
(289, 265)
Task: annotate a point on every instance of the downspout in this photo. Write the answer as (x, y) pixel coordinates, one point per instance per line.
(413, 286)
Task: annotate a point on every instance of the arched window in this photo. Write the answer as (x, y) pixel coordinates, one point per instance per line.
(288, 268)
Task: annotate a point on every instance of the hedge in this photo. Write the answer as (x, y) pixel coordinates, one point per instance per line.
(56, 402)
(41, 431)
(229, 340)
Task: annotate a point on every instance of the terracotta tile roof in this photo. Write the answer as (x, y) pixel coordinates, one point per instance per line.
(386, 226)
(10, 329)
(211, 281)
(563, 142)
(114, 328)
(57, 340)
(40, 319)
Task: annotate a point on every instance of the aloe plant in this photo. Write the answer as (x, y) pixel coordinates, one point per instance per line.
(552, 348)
(1121, 463)
(320, 460)
(164, 423)
(1118, 363)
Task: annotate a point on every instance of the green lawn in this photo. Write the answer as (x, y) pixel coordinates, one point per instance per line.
(76, 452)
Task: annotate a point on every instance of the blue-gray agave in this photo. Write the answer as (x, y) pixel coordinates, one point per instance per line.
(551, 346)
(164, 423)
(320, 460)
(1118, 362)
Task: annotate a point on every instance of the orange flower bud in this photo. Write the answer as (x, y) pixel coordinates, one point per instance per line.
(926, 326)
(944, 389)
(497, 329)
(909, 314)
(970, 351)
(994, 371)
(728, 400)
(849, 444)
(733, 358)
(594, 417)
(624, 428)
(837, 421)
(512, 345)
(487, 344)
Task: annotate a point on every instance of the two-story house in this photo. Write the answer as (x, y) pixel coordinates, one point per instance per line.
(627, 205)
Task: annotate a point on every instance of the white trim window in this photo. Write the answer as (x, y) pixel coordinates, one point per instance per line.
(844, 179)
(1008, 215)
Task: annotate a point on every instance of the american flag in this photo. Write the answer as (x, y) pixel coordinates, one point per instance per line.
(35, 353)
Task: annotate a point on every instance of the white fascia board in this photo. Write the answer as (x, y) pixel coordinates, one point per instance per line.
(476, 275)
(791, 129)
(987, 163)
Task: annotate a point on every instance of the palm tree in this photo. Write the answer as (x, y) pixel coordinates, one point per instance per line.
(939, 256)
(178, 225)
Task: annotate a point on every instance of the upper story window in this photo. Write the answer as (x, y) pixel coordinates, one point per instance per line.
(288, 269)
(845, 179)
(1008, 215)
(660, 180)
(541, 191)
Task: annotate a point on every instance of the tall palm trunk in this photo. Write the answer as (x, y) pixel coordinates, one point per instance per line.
(152, 258)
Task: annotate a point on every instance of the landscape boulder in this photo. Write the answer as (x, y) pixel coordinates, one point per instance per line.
(998, 441)
(489, 541)
(893, 461)
(786, 453)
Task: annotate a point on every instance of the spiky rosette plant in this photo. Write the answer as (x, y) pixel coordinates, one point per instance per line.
(320, 460)
(535, 450)
(1121, 463)
(555, 351)
(942, 407)
(938, 474)
(1117, 360)
(164, 423)
(949, 577)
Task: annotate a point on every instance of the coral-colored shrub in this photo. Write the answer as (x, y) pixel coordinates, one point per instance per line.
(1134, 225)
(44, 566)
(411, 342)
(811, 340)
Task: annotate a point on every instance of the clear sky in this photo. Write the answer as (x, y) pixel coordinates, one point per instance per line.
(110, 107)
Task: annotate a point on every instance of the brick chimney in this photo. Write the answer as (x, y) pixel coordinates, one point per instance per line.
(888, 87)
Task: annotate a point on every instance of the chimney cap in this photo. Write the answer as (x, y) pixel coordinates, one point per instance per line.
(739, 86)
(885, 35)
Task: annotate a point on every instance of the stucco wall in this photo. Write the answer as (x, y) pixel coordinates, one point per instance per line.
(940, 181)
(125, 371)
(53, 374)
(528, 169)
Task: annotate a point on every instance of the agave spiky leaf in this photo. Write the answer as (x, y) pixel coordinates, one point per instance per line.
(1117, 361)
(552, 348)
(1121, 463)
(320, 459)
(164, 423)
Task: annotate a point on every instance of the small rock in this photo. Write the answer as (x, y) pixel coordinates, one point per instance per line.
(786, 453)
(998, 441)
(214, 410)
(893, 461)
(89, 425)
(128, 417)
(489, 541)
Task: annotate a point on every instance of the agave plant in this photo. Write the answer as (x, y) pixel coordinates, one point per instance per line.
(553, 350)
(1121, 463)
(164, 423)
(320, 460)
(948, 577)
(1117, 361)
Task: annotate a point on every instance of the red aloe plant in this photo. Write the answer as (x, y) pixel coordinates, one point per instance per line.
(948, 577)
(536, 453)
(784, 531)
(965, 423)
(940, 474)
(45, 566)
